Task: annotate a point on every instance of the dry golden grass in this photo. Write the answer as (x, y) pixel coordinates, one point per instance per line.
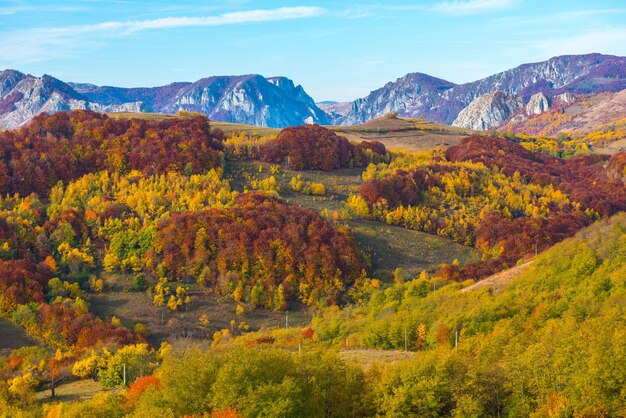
(79, 390)
(497, 281)
(402, 133)
(365, 357)
(411, 134)
(184, 324)
(224, 126)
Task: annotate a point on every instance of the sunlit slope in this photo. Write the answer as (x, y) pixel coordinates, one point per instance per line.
(551, 340)
(412, 134)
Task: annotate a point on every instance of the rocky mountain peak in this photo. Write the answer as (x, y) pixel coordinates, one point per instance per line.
(419, 95)
(251, 99)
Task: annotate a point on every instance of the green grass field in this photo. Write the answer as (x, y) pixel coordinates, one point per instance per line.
(390, 247)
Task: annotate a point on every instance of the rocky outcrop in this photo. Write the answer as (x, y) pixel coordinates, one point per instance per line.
(251, 99)
(278, 102)
(335, 110)
(537, 104)
(565, 98)
(419, 95)
(415, 94)
(488, 111)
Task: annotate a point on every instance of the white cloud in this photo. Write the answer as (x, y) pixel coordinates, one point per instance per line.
(45, 43)
(369, 10)
(252, 16)
(458, 7)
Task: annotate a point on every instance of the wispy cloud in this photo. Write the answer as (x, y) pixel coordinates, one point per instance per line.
(45, 43)
(467, 7)
(368, 10)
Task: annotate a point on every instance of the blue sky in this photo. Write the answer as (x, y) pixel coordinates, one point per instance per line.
(338, 50)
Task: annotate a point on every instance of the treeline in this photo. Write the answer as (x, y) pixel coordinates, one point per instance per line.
(495, 195)
(66, 145)
(313, 147)
(248, 247)
(259, 251)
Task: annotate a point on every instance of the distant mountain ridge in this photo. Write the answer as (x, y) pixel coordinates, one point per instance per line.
(278, 102)
(250, 99)
(22, 97)
(420, 95)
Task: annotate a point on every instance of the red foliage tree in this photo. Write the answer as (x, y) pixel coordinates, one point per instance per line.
(66, 145)
(22, 281)
(259, 245)
(227, 412)
(80, 330)
(312, 147)
(138, 387)
(582, 178)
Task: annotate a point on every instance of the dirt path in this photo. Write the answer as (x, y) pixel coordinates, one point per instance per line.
(497, 281)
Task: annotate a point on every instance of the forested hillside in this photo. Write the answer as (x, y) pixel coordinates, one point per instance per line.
(162, 258)
(493, 194)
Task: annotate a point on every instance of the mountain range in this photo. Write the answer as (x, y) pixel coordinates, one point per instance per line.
(277, 102)
(420, 95)
(250, 99)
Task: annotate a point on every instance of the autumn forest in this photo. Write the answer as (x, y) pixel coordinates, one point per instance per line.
(177, 268)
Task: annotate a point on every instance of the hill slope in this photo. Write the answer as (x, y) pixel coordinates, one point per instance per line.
(547, 340)
(582, 114)
(411, 134)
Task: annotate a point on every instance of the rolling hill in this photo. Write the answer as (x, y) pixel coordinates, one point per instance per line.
(159, 254)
